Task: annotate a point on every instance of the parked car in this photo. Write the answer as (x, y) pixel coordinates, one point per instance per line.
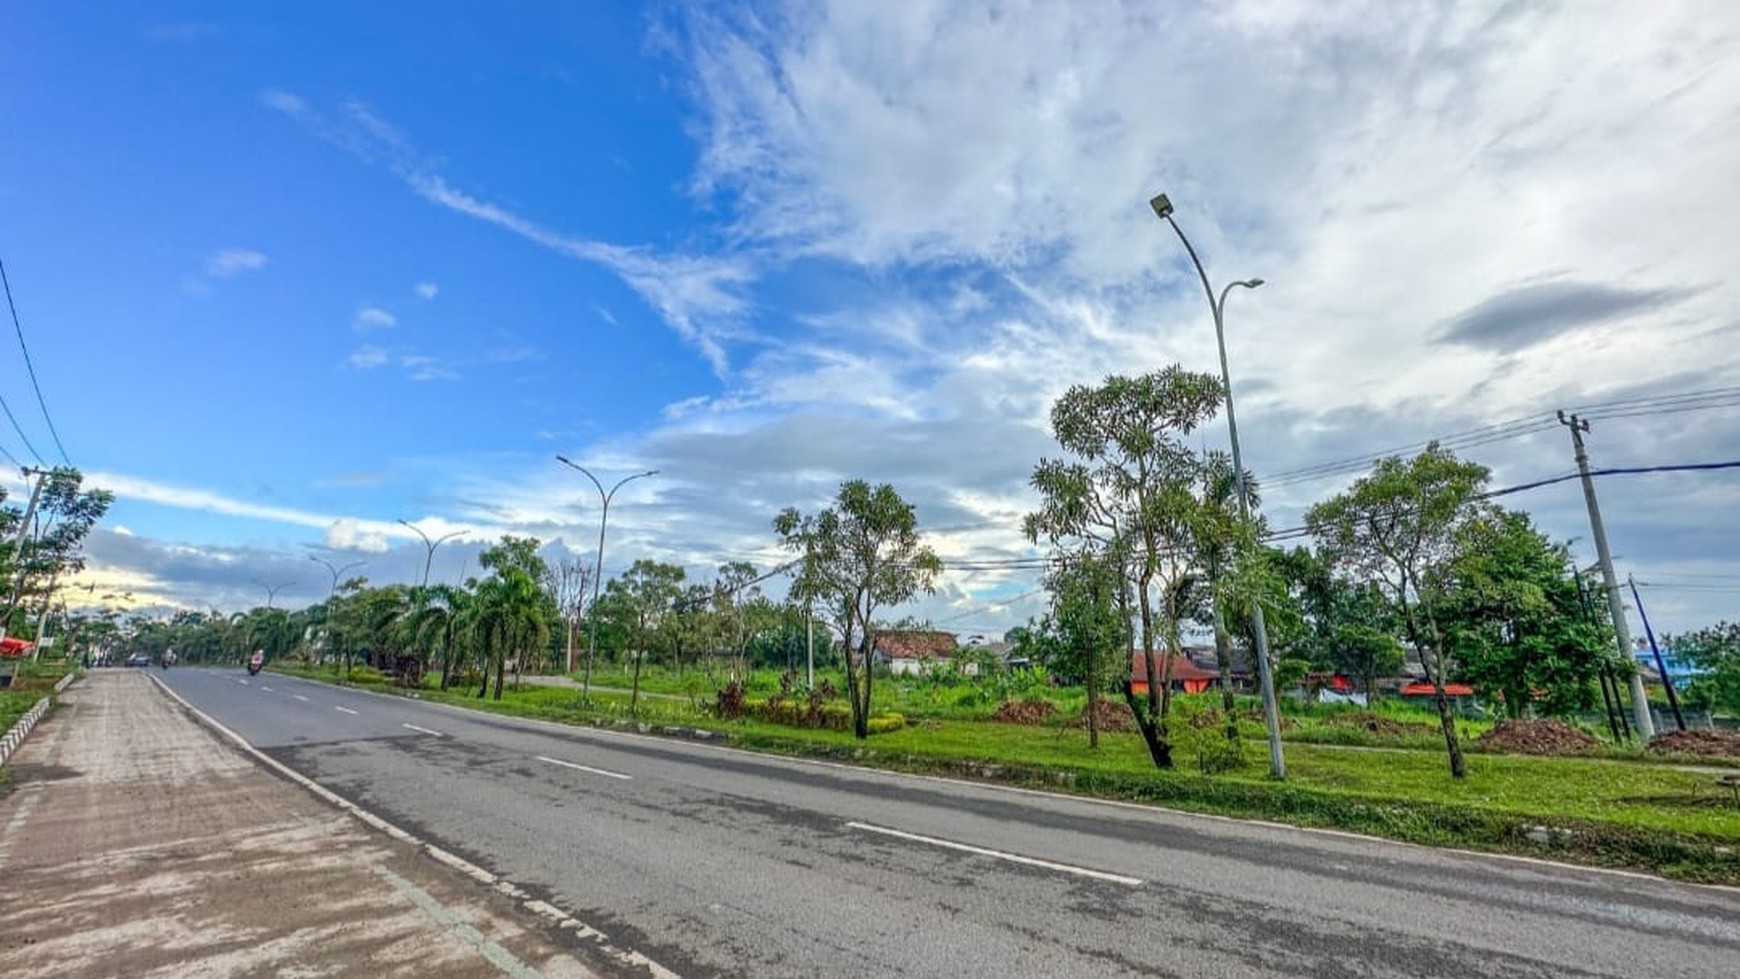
(139, 659)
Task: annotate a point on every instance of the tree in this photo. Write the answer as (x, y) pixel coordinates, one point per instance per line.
(1398, 527)
(1715, 652)
(53, 546)
(642, 599)
(509, 614)
(1345, 626)
(854, 557)
(1130, 495)
(1087, 628)
(1512, 617)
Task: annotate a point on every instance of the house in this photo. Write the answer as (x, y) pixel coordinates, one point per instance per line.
(1184, 675)
(1460, 695)
(913, 651)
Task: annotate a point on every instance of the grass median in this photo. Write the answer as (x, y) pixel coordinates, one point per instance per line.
(1657, 817)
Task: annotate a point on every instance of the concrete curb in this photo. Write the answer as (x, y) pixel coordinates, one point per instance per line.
(22, 729)
(556, 916)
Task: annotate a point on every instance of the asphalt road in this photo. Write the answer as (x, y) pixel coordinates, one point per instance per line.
(719, 862)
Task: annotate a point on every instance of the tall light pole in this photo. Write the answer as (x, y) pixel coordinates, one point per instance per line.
(336, 571)
(430, 545)
(1259, 629)
(272, 590)
(598, 569)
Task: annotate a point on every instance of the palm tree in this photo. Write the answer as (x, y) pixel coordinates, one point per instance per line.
(433, 625)
(506, 617)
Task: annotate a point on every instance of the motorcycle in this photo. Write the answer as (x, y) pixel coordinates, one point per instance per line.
(255, 662)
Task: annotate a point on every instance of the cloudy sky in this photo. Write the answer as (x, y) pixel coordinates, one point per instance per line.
(290, 276)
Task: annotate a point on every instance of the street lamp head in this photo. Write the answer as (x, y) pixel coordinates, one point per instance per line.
(1251, 283)
(1162, 206)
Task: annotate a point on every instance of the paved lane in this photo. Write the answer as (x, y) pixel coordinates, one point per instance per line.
(718, 862)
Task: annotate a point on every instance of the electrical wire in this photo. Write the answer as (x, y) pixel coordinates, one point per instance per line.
(31, 367)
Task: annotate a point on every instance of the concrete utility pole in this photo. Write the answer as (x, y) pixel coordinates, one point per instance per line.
(1162, 206)
(1610, 581)
(18, 543)
(1667, 682)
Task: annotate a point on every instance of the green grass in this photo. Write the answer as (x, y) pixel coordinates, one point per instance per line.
(1631, 813)
(15, 704)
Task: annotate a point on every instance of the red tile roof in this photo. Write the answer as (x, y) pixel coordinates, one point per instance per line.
(915, 644)
(1427, 690)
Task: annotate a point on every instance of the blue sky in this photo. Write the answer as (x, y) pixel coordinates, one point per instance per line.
(291, 274)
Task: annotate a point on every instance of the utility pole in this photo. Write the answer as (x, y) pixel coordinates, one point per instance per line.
(1667, 682)
(598, 569)
(810, 643)
(18, 543)
(1610, 581)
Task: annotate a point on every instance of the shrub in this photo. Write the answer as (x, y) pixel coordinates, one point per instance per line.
(366, 674)
(730, 703)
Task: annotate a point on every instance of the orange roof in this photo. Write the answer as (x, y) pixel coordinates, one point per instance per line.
(915, 644)
(1422, 689)
(13, 646)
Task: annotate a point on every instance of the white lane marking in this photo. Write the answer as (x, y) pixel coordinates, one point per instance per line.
(347, 710)
(585, 768)
(300, 697)
(241, 681)
(1000, 855)
(265, 688)
(423, 730)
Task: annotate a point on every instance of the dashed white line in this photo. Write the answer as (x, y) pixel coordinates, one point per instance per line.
(300, 697)
(585, 768)
(265, 688)
(1000, 855)
(242, 681)
(423, 730)
(347, 710)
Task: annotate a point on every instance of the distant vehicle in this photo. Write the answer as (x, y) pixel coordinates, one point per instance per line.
(255, 662)
(139, 659)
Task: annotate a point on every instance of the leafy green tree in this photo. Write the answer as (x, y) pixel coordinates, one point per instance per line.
(1398, 527)
(1345, 625)
(1715, 651)
(1130, 493)
(642, 600)
(1089, 633)
(854, 557)
(1513, 618)
(53, 548)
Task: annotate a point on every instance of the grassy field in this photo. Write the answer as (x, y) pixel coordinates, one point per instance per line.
(1631, 813)
(32, 682)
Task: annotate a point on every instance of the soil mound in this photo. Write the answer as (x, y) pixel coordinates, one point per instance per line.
(1024, 711)
(1538, 738)
(1710, 744)
(1113, 717)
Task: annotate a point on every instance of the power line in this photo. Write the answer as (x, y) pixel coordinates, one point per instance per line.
(31, 367)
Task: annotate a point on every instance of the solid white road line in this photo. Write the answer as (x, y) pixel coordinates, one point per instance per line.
(347, 710)
(1000, 855)
(300, 697)
(423, 730)
(585, 768)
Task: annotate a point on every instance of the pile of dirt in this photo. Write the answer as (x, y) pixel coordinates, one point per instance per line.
(1538, 738)
(1024, 711)
(1710, 744)
(1368, 721)
(1113, 717)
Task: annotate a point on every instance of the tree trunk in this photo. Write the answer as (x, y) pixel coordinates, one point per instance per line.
(1093, 697)
(500, 667)
(1152, 735)
(1223, 660)
(1434, 665)
(634, 694)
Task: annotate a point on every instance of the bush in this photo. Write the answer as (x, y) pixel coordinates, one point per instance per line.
(729, 702)
(366, 674)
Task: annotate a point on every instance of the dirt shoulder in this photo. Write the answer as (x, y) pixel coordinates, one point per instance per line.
(133, 842)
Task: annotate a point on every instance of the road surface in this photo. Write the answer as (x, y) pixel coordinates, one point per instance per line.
(718, 862)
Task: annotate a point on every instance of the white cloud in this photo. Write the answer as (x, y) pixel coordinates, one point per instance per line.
(373, 318)
(426, 290)
(231, 261)
(349, 534)
(367, 357)
(291, 105)
(422, 368)
(189, 498)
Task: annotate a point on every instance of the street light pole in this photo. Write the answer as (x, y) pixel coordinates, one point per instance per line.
(598, 569)
(271, 590)
(336, 572)
(430, 546)
(1259, 628)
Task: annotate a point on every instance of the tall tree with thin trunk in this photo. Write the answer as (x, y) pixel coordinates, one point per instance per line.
(1398, 526)
(1129, 491)
(855, 557)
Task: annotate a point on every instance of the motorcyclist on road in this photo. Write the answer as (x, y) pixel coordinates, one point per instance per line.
(256, 661)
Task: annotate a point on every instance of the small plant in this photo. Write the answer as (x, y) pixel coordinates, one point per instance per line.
(729, 703)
